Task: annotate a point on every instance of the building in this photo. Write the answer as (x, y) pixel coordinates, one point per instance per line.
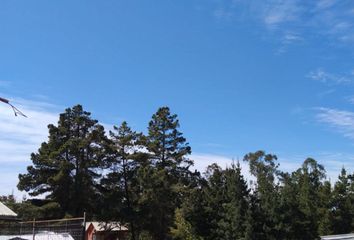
(105, 231)
(349, 236)
(6, 213)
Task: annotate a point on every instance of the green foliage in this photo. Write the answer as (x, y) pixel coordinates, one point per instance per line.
(67, 167)
(342, 203)
(234, 207)
(183, 229)
(164, 180)
(119, 186)
(145, 183)
(265, 169)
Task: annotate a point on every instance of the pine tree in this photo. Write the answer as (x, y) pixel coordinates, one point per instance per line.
(291, 218)
(68, 166)
(215, 196)
(342, 204)
(234, 208)
(166, 143)
(119, 186)
(167, 176)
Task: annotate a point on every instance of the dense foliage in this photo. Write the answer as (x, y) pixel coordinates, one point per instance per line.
(145, 181)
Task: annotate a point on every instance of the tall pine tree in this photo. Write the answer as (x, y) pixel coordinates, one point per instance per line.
(67, 168)
(165, 179)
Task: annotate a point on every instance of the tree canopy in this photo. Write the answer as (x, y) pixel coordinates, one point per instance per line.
(146, 181)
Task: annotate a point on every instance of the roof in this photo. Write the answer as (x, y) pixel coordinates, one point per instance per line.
(6, 212)
(110, 226)
(40, 236)
(349, 236)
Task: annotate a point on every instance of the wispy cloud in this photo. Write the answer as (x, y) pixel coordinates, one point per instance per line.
(333, 163)
(340, 120)
(326, 77)
(331, 19)
(276, 13)
(19, 137)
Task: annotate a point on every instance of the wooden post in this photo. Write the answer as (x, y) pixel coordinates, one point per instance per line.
(84, 228)
(34, 229)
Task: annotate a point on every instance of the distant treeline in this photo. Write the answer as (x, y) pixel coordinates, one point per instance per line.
(145, 181)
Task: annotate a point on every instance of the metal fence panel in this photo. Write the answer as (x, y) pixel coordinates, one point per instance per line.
(62, 229)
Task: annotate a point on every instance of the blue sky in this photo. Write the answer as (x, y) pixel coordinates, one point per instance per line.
(242, 75)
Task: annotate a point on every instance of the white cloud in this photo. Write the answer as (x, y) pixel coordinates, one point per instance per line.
(342, 121)
(203, 160)
(291, 37)
(333, 163)
(331, 19)
(19, 137)
(279, 12)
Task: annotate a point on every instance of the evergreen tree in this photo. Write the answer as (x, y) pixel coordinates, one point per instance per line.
(194, 207)
(325, 218)
(215, 196)
(342, 204)
(264, 167)
(234, 208)
(166, 143)
(166, 178)
(67, 167)
(182, 229)
(119, 186)
(254, 220)
(310, 177)
(291, 218)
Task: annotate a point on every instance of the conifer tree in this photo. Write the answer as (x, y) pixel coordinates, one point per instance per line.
(342, 203)
(235, 205)
(68, 166)
(291, 218)
(119, 186)
(183, 229)
(264, 167)
(310, 177)
(165, 179)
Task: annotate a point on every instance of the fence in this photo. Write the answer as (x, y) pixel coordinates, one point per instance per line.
(62, 229)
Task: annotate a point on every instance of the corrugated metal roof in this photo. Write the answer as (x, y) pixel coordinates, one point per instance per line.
(6, 212)
(339, 237)
(41, 236)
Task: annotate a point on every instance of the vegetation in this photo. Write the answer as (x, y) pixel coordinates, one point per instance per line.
(146, 182)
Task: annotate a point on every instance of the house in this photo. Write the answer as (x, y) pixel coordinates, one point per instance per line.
(6, 213)
(339, 237)
(105, 231)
